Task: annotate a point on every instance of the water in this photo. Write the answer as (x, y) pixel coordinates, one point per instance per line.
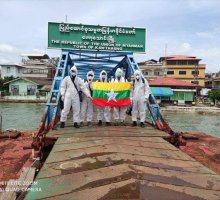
(23, 116)
(194, 122)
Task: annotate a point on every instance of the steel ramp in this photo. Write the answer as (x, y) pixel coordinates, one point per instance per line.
(120, 163)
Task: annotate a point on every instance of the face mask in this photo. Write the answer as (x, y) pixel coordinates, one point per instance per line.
(137, 77)
(90, 77)
(73, 74)
(103, 76)
(118, 75)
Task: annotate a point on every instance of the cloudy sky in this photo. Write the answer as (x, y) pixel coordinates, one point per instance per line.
(187, 27)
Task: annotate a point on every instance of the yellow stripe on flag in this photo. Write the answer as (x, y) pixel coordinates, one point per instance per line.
(111, 86)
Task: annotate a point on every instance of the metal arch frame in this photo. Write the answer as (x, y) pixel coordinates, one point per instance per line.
(95, 60)
(90, 60)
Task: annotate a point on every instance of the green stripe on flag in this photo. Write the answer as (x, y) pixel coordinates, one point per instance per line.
(103, 94)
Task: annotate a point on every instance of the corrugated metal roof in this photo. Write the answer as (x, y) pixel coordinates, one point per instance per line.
(171, 82)
(11, 64)
(179, 57)
(36, 56)
(38, 81)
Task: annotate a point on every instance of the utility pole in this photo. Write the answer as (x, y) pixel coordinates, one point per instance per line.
(165, 61)
(66, 18)
(196, 73)
(1, 124)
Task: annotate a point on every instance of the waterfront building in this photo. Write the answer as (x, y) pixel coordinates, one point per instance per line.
(186, 68)
(28, 89)
(152, 69)
(183, 92)
(11, 69)
(38, 66)
(212, 80)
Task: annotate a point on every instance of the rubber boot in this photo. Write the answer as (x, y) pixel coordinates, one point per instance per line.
(75, 125)
(62, 124)
(89, 124)
(134, 123)
(108, 124)
(142, 124)
(100, 123)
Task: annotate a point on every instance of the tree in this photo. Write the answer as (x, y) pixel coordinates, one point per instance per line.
(3, 86)
(214, 95)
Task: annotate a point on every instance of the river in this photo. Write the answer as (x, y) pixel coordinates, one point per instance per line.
(23, 116)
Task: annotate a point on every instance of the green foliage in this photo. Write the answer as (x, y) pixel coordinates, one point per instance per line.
(5, 80)
(214, 95)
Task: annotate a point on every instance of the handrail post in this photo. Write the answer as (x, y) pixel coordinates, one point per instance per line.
(1, 124)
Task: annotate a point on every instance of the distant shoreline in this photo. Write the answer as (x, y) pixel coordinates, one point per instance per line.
(21, 101)
(202, 109)
(205, 109)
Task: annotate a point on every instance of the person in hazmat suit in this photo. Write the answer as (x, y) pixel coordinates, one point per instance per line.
(87, 106)
(119, 113)
(140, 93)
(103, 111)
(71, 88)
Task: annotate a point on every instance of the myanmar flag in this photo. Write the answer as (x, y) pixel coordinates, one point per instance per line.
(111, 94)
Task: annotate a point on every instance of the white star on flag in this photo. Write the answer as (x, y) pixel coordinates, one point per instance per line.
(111, 95)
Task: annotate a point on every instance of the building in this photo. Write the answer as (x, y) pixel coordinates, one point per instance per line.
(8, 70)
(38, 66)
(186, 68)
(208, 80)
(27, 89)
(212, 80)
(152, 69)
(183, 92)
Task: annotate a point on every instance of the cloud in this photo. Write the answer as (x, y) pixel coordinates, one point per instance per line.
(3, 60)
(38, 50)
(210, 57)
(192, 30)
(209, 34)
(200, 5)
(185, 47)
(7, 48)
(12, 54)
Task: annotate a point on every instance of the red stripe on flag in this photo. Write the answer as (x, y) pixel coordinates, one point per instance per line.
(111, 103)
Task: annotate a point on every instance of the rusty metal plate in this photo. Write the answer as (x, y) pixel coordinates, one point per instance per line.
(72, 139)
(109, 176)
(85, 165)
(109, 141)
(107, 131)
(115, 159)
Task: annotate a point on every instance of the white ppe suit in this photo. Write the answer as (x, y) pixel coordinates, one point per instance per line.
(71, 96)
(87, 106)
(103, 111)
(140, 93)
(119, 113)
